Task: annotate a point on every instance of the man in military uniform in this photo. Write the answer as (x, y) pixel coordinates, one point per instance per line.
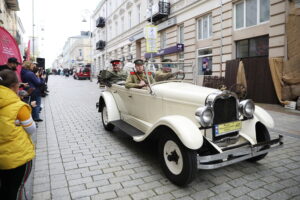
(138, 78)
(165, 73)
(110, 77)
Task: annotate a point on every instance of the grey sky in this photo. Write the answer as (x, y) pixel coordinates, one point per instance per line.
(60, 19)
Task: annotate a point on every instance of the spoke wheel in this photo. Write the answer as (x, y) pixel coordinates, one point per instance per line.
(178, 163)
(104, 115)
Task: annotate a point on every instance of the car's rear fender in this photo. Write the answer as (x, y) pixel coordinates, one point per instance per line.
(188, 133)
(107, 99)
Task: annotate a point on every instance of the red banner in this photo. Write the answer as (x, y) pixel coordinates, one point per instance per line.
(9, 48)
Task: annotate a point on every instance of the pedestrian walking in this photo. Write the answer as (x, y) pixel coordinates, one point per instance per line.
(16, 147)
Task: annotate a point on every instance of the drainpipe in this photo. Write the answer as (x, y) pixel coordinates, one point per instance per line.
(221, 53)
(106, 42)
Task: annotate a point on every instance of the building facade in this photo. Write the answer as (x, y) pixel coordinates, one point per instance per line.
(11, 22)
(76, 51)
(8, 16)
(210, 31)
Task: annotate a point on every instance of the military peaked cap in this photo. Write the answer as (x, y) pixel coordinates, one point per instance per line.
(139, 62)
(115, 62)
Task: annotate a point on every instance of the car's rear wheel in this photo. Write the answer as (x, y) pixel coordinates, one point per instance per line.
(178, 162)
(261, 136)
(104, 115)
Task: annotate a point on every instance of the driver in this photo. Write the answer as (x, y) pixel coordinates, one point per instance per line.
(138, 78)
(111, 77)
(165, 73)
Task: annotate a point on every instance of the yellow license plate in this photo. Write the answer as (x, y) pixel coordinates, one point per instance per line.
(222, 129)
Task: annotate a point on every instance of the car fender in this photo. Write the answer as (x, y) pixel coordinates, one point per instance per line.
(111, 106)
(264, 117)
(186, 130)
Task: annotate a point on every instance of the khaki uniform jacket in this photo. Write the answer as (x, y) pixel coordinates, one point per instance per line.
(163, 76)
(133, 81)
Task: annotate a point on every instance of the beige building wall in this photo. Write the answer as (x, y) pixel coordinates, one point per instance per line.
(8, 16)
(224, 34)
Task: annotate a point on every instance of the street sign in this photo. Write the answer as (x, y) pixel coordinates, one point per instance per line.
(151, 35)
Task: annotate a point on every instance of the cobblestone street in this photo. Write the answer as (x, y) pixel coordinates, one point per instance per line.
(77, 159)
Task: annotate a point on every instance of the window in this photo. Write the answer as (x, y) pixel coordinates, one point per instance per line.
(251, 12)
(205, 27)
(252, 47)
(122, 51)
(110, 32)
(122, 25)
(129, 19)
(205, 61)
(110, 8)
(129, 49)
(117, 28)
(116, 54)
(163, 39)
(181, 34)
(139, 13)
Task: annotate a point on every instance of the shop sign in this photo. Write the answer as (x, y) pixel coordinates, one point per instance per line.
(174, 49)
(151, 35)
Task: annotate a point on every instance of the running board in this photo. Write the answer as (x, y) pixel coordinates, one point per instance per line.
(127, 128)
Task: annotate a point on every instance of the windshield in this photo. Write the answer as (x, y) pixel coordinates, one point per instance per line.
(163, 72)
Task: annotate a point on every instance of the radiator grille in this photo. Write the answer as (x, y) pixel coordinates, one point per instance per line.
(225, 110)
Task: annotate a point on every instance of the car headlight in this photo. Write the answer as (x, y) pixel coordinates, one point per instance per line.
(247, 108)
(205, 116)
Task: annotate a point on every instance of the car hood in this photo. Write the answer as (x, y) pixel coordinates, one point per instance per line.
(180, 91)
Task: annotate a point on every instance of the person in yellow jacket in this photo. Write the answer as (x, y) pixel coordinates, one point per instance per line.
(16, 147)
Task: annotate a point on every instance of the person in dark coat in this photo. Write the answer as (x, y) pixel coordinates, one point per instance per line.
(12, 64)
(35, 83)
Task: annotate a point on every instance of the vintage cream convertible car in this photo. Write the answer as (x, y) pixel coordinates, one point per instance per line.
(195, 127)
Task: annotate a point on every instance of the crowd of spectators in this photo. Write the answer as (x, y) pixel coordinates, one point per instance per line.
(20, 107)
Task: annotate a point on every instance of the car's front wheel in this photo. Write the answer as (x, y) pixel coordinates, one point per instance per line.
(178, 162)
(104, 115)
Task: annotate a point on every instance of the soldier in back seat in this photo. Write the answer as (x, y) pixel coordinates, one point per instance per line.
(113, 76)
(138, 78)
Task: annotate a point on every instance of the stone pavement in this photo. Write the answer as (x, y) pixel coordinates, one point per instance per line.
(77, 159)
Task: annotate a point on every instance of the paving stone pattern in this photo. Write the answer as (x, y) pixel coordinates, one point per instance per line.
(77, 159)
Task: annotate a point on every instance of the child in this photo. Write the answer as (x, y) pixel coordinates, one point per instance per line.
(16, 147)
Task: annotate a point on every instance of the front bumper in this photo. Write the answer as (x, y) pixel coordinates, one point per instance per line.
(238, 154)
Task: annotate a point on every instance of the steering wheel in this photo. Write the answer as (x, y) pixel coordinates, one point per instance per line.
(180, 74)
(240, 90)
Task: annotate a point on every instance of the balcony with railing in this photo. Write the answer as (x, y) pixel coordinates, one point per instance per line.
(159, 11)
(100, 22)
(100, 45)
